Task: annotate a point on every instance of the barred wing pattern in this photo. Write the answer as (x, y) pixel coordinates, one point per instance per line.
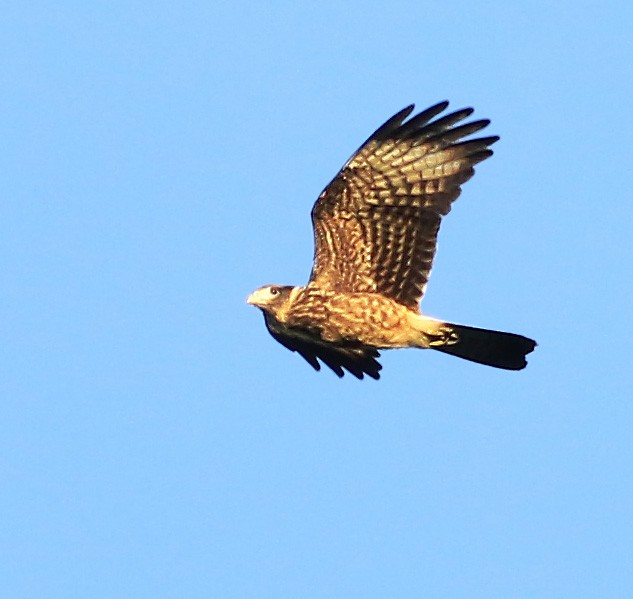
(376, 223)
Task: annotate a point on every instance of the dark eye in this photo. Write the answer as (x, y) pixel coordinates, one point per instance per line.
(274, 291)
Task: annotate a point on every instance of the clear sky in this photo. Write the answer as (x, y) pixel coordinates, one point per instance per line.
(159, 161)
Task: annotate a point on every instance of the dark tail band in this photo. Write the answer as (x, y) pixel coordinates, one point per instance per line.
(492, 348)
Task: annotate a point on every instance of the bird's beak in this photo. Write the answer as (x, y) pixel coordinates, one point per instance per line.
(257, 298)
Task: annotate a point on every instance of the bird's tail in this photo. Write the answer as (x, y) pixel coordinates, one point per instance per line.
(493, 348)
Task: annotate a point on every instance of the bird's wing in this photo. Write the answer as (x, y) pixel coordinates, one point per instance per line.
(357, 360)
(376, 223)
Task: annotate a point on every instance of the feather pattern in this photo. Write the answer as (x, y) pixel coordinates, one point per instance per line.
(376, 223)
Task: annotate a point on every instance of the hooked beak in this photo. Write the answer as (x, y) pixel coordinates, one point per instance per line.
(258, 298)
(251, 299)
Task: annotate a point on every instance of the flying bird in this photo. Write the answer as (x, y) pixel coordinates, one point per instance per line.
(375, 236)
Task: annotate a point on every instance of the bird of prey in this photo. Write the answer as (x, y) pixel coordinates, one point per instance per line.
(375, 236)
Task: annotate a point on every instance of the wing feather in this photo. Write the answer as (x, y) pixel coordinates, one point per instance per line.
(357, 360)
(376, 223)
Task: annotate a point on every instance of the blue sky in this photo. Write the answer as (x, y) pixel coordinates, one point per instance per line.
(159, 161)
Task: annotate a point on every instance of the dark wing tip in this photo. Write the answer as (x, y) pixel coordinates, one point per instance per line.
(391, 125)
(422, 124)
(397, 125)
(338, 359)
(477, 157)
(357, 365)
(491, 139)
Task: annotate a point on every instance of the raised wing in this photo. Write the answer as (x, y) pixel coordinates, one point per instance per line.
(376, 223)
(357, 360)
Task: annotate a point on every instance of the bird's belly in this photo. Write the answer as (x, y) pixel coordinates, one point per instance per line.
(369, 319)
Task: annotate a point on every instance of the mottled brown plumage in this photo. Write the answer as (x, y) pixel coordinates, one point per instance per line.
(375, 230)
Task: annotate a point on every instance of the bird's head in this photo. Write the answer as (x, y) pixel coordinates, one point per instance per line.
(270, 297)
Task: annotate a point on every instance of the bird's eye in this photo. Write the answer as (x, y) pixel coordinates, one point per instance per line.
(274, 291)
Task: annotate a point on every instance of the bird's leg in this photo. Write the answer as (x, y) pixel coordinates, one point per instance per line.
(432, 332)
